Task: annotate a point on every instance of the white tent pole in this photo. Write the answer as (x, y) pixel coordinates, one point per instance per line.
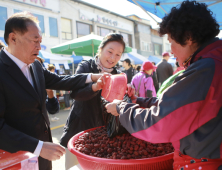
(93, 49)
(73, 64)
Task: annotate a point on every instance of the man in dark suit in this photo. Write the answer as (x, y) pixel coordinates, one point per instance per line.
(24, 123)
(164, 69)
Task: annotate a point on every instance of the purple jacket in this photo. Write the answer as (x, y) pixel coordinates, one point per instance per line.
(146, 84)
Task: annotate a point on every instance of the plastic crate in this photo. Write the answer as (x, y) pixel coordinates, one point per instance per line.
(18, 161)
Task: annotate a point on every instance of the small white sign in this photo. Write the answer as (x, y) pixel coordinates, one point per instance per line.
(46, 65)
(57, 66)
(66, 66)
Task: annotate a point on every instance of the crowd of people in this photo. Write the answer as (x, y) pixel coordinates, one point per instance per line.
(182, 107)
(148, 78)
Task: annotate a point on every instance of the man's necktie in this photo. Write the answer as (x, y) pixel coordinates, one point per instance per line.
(26, 72)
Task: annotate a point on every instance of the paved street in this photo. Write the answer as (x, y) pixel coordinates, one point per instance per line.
(57, 128)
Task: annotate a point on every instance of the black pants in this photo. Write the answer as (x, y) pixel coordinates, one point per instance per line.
(44, 164)
(66, 99)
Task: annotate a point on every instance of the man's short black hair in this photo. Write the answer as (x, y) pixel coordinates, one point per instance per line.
(127, 61)
(19, 22)
(191, 20)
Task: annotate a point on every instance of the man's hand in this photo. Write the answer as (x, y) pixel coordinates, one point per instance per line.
(61, 93)
(50, 93)
(131, 93)
(130, 90)
(111, 107)
(95, 77)
(52, 151)
(100, 82)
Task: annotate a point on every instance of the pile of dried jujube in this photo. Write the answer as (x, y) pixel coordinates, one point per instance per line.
(96, 143)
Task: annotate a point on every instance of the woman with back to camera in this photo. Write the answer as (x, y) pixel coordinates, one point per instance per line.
(85, 111)
(189, 112)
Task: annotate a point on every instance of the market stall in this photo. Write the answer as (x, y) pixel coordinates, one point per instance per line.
(112, 147)
(134, 57)
(56, 60)
(83, 46)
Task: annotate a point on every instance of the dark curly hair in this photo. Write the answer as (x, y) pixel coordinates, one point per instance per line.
(191, 20)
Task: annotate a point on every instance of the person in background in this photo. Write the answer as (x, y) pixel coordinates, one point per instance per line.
(66, 96)
(52, 98)
(51, 68)
(155, 81)
(164, 69)
(52, 103)
(129, 70)
(179, 68)
(86, 112)
(168, 82)
(1, 45)
(24, 123)
(138, 68)
(189, 112)
(143, 81)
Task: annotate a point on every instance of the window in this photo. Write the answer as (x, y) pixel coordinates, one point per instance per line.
(83, 29)
(66, 29)
(157, 49)
(53, 27)
(40, 18)
(103, 31)
(3, 17)
(150, 47)
(127, 38)
(144, 46)
(41, 22)
(17, 10)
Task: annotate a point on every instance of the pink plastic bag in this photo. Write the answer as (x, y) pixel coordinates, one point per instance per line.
(115, 87)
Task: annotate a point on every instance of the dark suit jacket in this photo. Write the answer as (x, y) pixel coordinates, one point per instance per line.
(23, 116)
(164, 71)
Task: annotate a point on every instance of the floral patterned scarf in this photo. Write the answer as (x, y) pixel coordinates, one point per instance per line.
(100, 66)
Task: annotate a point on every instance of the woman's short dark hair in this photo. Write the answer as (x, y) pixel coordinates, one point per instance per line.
(109, 38)
(19, 22)
(138, 68)
(191, 20)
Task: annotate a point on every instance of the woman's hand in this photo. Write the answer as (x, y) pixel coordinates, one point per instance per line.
(131, 93)
(111, 107)
(100, 82)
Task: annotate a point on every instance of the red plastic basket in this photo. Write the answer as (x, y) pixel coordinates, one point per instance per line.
(88, 162)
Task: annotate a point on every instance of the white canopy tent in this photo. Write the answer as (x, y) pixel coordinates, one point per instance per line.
(134, 57)
(55, 59)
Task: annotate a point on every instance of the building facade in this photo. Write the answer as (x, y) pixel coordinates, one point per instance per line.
(64, 20)
(47, 12)
(147, 40)
(83, 18)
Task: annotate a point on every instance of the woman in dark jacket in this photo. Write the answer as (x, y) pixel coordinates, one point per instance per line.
(85, 111)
